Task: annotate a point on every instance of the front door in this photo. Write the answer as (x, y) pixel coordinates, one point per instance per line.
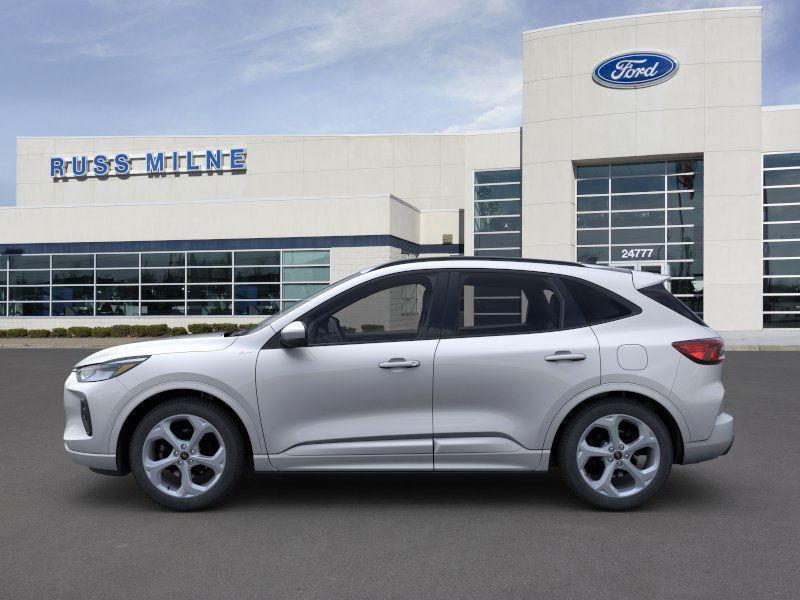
(359, 395)
(509, 358)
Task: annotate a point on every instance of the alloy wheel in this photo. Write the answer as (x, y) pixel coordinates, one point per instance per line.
(183, 456)
(618, 455)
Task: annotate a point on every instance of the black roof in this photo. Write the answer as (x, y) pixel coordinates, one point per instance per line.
(480, 258)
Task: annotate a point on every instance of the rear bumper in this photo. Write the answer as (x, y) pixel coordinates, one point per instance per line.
(717, 444)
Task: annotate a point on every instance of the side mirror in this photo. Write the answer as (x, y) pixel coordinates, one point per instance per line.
(294, 335)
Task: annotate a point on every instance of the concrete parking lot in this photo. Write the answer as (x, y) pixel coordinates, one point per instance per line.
(724, 529)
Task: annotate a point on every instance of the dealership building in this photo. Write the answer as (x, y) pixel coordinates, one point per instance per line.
(643, 144)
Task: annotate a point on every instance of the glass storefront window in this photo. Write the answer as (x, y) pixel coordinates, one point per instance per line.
(163, 275)
(72, 309)
(29, 277)
(117, 292)
(208, 275)
(781, 288)
(117, 276)
(209, 259)
(117, 261)
(28, 309)
(33, 261)
(306, 257)
(67, 277)
(644, 215)
(497, 223)
(29, 293)
(163, 259)
(208, 308)
(208, 292)
(131, 284)
(306, 273)
(257, 274)
(257, 258)
(84, 292)
(73, 261)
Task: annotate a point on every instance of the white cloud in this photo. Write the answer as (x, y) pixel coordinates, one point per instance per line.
(498, 117)
(343, 31)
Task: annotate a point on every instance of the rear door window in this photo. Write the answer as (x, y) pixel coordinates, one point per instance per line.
(497, 303)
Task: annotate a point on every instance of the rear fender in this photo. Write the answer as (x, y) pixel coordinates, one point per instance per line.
(552, 427)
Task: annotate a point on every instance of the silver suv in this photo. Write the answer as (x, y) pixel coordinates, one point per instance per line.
(438, 364)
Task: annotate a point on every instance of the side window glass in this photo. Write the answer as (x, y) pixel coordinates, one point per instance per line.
(506, 303)
(597, 304)
(397, 309)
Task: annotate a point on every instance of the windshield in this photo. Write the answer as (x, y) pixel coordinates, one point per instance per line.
(274, 317)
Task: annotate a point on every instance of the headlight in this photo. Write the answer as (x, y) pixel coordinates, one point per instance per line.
(107, 370)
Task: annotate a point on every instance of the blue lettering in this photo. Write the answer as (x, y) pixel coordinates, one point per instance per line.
(213, 160)
(190, 166)
(237, 159)
(155, 162)
(100, 164)
(123, 166)
(56, 167)
(78, 168)
(176, 162)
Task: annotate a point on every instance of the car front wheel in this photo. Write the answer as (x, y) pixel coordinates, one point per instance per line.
(615, 453)
(187, 453)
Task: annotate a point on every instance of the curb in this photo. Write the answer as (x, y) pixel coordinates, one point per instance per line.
(761, 348)
(68, 343)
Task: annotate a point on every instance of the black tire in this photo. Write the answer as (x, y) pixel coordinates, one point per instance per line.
(581, 420)
(235, 451)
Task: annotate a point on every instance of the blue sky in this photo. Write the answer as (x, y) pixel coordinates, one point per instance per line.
(151, 67)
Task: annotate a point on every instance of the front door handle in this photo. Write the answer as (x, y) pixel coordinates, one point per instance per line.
(564, 355)
(398, 363)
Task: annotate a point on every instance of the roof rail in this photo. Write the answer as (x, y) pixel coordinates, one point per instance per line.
(478, 258)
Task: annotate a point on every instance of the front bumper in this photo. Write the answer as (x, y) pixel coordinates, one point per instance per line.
(99, 462)
(717, 444)
(90, 411)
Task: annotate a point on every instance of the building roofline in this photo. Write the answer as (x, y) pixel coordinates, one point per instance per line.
(781, 107)
(652, 14)
(265, 135)
(216, 201)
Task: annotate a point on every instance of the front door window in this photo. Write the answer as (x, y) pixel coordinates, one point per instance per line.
(394, 309)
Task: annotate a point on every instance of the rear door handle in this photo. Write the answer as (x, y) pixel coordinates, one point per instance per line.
(398, 363)
(564, 355)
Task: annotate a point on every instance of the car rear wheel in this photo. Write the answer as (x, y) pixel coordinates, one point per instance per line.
(187, 453)
(615, 453)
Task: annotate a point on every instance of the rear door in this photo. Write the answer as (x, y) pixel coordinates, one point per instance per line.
(514, 350)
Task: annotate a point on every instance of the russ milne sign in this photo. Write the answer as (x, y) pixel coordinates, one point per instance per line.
(635, 70)
(151, 163)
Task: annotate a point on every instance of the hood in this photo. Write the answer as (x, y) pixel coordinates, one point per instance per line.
(207, 342)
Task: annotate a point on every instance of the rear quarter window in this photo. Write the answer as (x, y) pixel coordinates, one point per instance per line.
(598, 304)
(662, 295)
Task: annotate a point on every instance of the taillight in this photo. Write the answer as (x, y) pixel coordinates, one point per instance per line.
(703, 352)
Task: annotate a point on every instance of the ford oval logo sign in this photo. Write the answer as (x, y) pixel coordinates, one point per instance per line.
(635, 70)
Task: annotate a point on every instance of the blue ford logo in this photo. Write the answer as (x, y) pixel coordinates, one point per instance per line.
(635, 70)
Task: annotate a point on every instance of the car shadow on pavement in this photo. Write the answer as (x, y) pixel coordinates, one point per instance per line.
(391, 490)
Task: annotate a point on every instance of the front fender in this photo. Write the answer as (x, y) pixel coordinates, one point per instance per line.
(254, 433)
(550, 428)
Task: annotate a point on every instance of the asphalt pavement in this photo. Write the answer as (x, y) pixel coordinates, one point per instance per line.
(729, 528)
